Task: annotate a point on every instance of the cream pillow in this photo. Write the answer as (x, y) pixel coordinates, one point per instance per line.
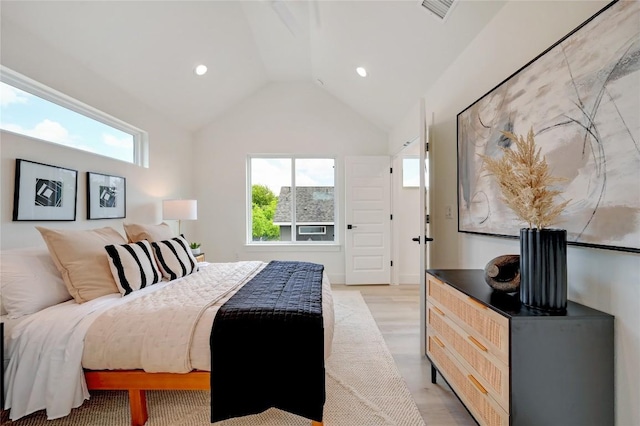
(30, 281)
(138, 232)
(82, 260)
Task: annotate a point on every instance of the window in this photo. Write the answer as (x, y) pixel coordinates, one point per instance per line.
(411, 172)
(291, 200)
(32, 109)
(312, 230)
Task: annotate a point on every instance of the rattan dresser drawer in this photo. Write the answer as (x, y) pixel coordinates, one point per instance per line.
(492, 373)
(513, 365)
(488, 328)
(475, 397)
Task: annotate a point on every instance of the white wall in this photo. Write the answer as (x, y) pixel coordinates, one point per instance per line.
(282, 118)
(169, 174)
(603, 279)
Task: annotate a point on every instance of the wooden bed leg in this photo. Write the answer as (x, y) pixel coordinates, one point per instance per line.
(138, 406)
(314, 423)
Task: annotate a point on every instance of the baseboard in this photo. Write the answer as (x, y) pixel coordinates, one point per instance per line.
(409, 279)
(336, 278)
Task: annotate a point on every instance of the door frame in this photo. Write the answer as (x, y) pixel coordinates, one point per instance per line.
(426, 205)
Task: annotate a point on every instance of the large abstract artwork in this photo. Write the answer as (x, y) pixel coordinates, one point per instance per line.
(582, 99)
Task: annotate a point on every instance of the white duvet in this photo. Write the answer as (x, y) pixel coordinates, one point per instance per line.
(155, 332)
(49, 349)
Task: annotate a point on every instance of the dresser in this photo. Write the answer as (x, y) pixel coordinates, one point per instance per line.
(511, 365)
(2, 352)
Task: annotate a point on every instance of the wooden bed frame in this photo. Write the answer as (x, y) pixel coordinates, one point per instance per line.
(138, 381)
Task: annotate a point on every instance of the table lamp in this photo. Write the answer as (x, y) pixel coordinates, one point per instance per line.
(180, 210)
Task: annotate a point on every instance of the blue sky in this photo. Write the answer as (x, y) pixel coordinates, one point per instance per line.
(27, 114)
(276, 172)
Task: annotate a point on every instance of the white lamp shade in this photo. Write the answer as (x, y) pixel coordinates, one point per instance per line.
(180, 209)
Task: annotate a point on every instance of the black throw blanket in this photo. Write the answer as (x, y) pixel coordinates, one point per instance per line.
(267, 345)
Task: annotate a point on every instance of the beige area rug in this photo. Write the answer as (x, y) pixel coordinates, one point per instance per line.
(364, 387)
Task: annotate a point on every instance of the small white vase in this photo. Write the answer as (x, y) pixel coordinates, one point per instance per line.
(195, 251)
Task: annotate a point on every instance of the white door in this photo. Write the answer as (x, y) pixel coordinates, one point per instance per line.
(405, 209)
(367, 214)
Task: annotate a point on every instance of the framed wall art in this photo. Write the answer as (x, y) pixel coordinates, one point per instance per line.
(106, 196)
(44, 192)
(581, 99)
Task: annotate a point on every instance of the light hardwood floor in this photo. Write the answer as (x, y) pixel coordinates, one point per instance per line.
(396, 310)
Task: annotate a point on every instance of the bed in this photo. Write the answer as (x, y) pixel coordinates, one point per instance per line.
(156, 337)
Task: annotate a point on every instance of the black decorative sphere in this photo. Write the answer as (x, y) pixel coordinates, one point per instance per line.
(503, 273)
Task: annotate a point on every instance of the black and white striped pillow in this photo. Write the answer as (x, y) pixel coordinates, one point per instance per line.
(174, 257)
(133, 266)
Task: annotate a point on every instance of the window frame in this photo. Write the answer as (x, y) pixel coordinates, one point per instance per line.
(22, 82)
(320, 245)
(322, 232)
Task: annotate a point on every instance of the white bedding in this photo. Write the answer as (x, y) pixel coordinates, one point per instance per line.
(9, 324)
(48, 349)
(155, 333)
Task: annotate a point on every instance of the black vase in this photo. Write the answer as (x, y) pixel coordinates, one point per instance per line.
(543, 269)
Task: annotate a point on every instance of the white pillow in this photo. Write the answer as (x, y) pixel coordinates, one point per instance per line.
(133, 266)
(174, 258)
(30, 281)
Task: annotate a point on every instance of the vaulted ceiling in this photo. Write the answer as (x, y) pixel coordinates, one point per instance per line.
(150, 48)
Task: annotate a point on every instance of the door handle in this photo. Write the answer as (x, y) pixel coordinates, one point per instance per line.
(426, 239)
(352, 226)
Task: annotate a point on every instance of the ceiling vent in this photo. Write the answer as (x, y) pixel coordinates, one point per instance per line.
(440, 8)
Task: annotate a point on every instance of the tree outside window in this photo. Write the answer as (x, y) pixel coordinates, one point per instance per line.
(263, 207)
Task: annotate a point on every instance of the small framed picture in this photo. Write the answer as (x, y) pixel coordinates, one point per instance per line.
(106, 196)
(44, 192)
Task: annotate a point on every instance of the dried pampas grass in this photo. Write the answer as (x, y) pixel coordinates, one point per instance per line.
(525, 182)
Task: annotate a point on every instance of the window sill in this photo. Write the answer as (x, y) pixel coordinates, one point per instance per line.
(292, 247)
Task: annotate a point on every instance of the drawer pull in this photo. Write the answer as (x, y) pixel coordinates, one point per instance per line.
(478, 304)
(477, 383)
(478, 344)
(435, 339)
(438, 310)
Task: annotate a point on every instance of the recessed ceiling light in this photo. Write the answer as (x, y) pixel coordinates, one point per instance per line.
(201, 70)
(361, 72)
